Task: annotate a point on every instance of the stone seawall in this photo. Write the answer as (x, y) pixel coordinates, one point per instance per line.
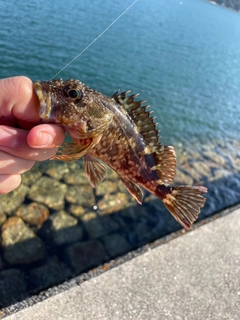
(55, 226)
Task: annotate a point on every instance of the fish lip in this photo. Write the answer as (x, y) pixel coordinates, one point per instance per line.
(44, 100)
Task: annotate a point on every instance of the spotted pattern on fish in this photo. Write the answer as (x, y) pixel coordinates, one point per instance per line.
(120, 132)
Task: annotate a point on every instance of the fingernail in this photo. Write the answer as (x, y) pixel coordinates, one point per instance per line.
(44, 139)
(8, 137)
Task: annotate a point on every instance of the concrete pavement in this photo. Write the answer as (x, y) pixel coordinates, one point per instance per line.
(194, 276)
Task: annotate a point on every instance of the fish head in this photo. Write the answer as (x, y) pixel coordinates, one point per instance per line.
(80, 110)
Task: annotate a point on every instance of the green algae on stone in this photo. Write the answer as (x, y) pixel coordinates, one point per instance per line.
(64, 228)
(76, 174)
(3, 218)
(112, 202)
(76, 210)
(54, 169)
(182, 178)
(49, 192)
(81, 195)
(12, 200)
(31, 176)
(34, 213)
(93, 225)
(19, 243)
(107, 186)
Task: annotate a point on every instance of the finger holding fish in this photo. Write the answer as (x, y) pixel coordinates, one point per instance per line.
(9, 182)
(14, 141)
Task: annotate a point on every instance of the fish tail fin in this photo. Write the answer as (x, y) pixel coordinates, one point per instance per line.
(183, 202)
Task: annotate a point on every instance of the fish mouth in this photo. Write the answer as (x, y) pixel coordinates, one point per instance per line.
(44, 99)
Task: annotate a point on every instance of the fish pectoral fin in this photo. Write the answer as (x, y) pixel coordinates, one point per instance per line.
(95, 170)
(134, 190)
(183, 202)
(71, 151)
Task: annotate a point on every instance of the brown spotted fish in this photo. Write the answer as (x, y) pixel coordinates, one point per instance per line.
(120, 132)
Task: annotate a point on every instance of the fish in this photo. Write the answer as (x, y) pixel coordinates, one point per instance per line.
(121, 133)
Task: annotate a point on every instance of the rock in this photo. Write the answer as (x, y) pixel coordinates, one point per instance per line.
(13, 287)
(19, 243)
(51, 273)
(93, 225)
(184, 155)
(202, 168)
(110, 224)
(12, 200)
(76, 210)
(182, 178)
(76, 174)
(234, 163)
(191, 172)
(31, 176)
(123, 189)
(112, 203)
(81, 195)
(136, 212)
(140, 234)
(105, 187)
(62, 228)
(212, 155)
(55, 169)
(84, 256)
(34, 213)
(116, 245)
(1, 265)
(3, 218)
(219, 174)
(112, 175)
(231, 148)
(49, 192)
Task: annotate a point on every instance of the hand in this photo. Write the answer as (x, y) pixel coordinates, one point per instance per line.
(22, 140)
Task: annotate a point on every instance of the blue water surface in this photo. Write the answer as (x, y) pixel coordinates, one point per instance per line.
(182, 57)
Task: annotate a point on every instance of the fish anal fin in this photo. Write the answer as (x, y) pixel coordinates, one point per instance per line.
(70, 151)
(165, 163)
(95, 170)
(183, 202)
(133, 189)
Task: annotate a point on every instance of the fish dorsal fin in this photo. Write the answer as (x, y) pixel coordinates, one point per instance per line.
(140, 116)
(95, 170)
(133, 189)
(164, 156)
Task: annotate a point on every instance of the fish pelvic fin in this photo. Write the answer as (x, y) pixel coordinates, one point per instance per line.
(95, 170)
(183, 202)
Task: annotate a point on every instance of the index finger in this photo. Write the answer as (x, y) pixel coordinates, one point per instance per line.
(19, 103)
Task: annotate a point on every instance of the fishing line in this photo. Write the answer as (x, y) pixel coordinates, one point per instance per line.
(79, 54)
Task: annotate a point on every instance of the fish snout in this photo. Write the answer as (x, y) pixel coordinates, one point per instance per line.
(44, 99)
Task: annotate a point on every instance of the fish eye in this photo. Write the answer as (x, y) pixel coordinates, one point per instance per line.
(72, 93)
